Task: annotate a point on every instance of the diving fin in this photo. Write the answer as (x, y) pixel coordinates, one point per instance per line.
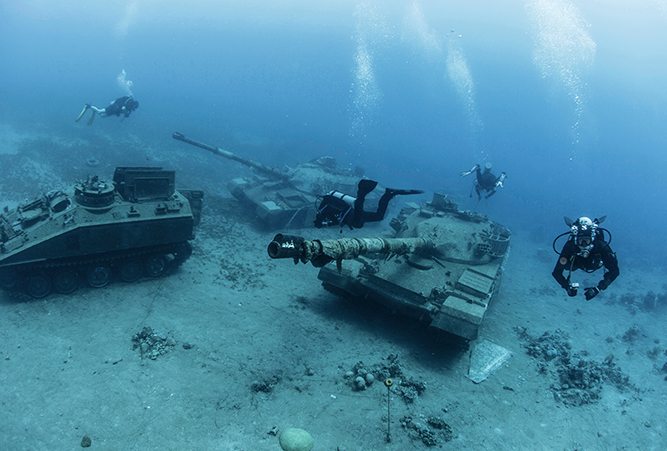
(403, 192)
(92, 118)
(365, 187)
(467, 173)
(85, 108)
(568, 221)
(599, 221)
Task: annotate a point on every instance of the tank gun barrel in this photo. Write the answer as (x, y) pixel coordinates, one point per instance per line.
(272, 172)
(321, 252)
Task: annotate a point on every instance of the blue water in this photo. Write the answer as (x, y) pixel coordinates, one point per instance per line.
(568, 97)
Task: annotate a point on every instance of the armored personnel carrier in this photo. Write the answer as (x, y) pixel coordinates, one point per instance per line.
(442, 266)
(288, 199)
(98, 230)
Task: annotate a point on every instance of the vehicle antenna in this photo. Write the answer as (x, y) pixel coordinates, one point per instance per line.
(388, 383)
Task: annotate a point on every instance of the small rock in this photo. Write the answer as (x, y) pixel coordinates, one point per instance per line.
(86, 441)
(295, 439)
(360, 383)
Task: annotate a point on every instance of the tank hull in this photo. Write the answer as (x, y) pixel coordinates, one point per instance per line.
(292, 202)
(274, 204)
(459, 307)
(97, 233)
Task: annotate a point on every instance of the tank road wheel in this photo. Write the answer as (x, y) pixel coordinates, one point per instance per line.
(66, 281)
(38, 285)
(131, 271)
(8, 278)
(156, 265)
(99, 276)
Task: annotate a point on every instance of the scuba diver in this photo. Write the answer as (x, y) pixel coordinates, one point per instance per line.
(341, 209)
(585, 249)
(122, 105)
(485, 181)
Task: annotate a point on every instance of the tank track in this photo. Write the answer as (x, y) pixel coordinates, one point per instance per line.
(171, 256)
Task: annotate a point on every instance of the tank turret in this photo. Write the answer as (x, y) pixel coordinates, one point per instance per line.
(98, 230)
(288, 198)
(442, 265)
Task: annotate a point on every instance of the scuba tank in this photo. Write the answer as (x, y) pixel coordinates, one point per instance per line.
(349, 200)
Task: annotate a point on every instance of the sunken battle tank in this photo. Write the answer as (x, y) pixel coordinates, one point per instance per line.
(288, 199)
(98, 230)
(442, 265)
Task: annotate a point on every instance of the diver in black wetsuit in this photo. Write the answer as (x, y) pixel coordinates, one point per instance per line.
(485, 181)
(341, 209)
(586, 249)
(121, 106)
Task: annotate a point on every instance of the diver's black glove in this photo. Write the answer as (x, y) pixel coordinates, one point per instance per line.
(572, 291)
(591, 292)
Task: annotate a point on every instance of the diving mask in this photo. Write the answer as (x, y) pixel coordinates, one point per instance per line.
(585, 244)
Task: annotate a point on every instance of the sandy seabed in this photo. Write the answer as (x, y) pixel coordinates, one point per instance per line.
(256, 346)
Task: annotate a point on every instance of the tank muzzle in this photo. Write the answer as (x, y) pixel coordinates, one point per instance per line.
(286, 246)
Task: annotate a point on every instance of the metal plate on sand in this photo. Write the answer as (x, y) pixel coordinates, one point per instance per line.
(485, 359)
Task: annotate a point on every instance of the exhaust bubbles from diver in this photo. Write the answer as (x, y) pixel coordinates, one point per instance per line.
(123, 83)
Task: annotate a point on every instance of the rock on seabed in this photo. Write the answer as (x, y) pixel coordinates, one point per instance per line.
(295, 439)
